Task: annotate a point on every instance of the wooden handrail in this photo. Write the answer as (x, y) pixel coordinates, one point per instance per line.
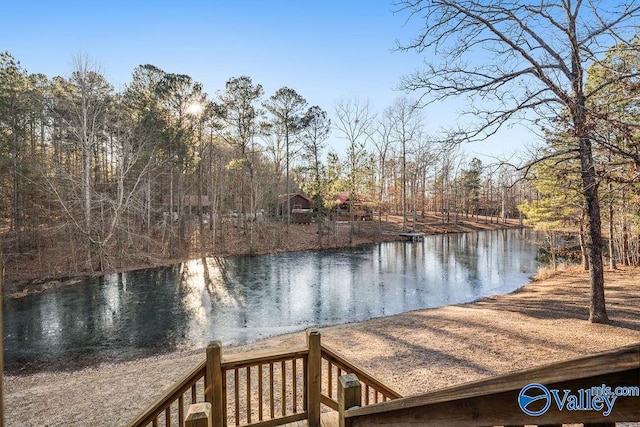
(170, 396)
(494, 401)
(244, 360)
(368, 379)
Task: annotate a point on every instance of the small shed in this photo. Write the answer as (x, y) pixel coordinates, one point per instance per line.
(344, 205)
(296, 201)
(299, 207)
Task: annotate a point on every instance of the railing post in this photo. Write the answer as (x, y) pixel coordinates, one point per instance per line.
(349, 396)
(199, 415)
(213, 382)
(314, 368)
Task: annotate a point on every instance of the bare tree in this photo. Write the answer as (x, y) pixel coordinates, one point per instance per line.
(405, 130)
(424, 158)
(82, 107)
(528, 56)
(354, 121)
(384, 147)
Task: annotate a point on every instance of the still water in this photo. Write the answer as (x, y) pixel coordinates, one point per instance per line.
(240, 299)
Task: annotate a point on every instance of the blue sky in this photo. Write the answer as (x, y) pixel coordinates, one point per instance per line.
(325, 50)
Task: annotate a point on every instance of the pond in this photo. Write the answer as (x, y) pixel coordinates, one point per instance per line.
(242, 299)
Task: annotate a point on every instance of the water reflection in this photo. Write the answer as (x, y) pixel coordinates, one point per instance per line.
(239, 299)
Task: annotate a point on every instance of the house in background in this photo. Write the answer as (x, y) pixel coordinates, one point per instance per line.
(344, 204)
(299, 207)
(341, 209)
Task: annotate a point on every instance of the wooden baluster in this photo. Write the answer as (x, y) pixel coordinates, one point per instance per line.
(284, 388)
(330, 377)
(366, 394)
(194, 394)
(249, 394)
(305, 383)
(236, 391)
(167, 416)
(294, 384)
(271, 388)
(181, 410)
(225, 409)
(260, 391)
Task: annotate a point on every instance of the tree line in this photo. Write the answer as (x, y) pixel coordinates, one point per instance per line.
(569, 69)
(161, 170)
(612, 113)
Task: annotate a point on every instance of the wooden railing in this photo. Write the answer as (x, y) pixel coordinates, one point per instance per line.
(334, 366)
(265, 388)
(494, 401)
(170, 409)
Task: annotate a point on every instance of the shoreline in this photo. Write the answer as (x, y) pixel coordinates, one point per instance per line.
(20, 288)
(415, 352)
(22, 278)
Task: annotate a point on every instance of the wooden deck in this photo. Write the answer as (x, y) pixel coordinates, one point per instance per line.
(494, 401)
(328, 419)
(359, 399)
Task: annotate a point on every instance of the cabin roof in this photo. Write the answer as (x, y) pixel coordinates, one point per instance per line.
(283, 197)
(342, 197)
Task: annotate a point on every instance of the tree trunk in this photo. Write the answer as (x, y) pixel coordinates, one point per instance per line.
(612, 251)
(200, 210)
(583, 245)
(171, 230)
(626, 256)
(404, 187)
(148, 214)
(552, 249)
(597, 308)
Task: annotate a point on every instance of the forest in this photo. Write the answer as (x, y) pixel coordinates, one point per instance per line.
(161, 170)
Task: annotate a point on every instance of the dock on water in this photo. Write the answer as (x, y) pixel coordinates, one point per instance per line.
(413, 236)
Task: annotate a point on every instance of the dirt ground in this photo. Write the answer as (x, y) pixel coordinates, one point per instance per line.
(414, 352)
